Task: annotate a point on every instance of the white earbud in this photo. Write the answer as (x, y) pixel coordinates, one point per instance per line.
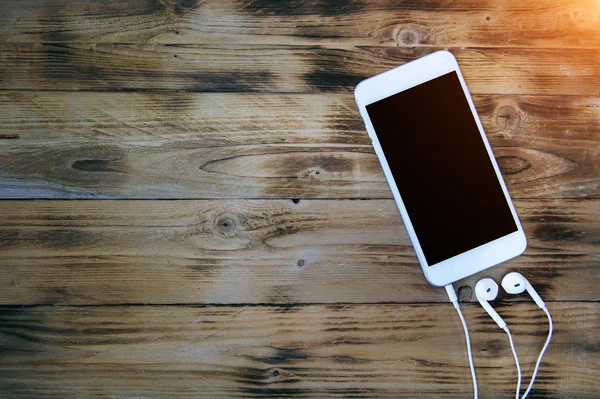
(486, 290)
(515, 283)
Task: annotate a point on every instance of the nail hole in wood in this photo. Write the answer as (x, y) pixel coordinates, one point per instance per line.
(225, 225)
(487, 18)
(301, 262)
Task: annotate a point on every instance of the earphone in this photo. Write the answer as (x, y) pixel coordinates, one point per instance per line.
(515, 283)
(486, 290)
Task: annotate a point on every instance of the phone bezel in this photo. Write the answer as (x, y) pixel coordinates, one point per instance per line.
(402, 78)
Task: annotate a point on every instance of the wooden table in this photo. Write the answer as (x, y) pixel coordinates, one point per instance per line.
(191, 206)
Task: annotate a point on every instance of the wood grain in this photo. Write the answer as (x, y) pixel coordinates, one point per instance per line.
(229, 119)
(367, 351)
(219, 145)
(246, 294)
(474, 23)
(223, 119)
(284, 251)
(264, 68)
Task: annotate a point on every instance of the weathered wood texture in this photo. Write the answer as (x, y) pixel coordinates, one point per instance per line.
(472, 23)
(111, 252)
(230, 145)
(367, 351)
(271, 68)
(123, 100)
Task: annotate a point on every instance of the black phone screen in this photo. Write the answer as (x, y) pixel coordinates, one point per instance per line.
(442, 168)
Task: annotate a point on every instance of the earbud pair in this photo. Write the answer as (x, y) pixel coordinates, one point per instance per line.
(486, 290)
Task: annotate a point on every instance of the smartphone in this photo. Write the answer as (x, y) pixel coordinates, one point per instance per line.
(440, 168)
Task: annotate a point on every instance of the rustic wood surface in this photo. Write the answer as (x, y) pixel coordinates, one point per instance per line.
(192, 183)
(281, 68)
(216, 145)
(366, 351)
(258, 251)
(408, 23)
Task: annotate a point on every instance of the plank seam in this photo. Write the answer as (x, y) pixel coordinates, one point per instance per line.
(278, 305)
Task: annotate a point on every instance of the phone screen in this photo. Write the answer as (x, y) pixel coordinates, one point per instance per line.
(441, 167)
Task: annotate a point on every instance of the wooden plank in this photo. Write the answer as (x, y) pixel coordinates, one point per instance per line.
(223, 119)
(257, 251)
(367, 351)
(231, 145)
(473, 23)
(260, 68)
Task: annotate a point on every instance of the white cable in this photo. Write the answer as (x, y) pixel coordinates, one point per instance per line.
(539, 360)
(469, 353)
(514, 351)
(454, 300)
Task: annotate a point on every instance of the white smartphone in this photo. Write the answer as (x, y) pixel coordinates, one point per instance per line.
(440, 168)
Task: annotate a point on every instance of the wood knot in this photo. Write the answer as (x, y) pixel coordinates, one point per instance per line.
(408, 37)
(225, 225)
(507, 117)
(465, 293)
(511, 165)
